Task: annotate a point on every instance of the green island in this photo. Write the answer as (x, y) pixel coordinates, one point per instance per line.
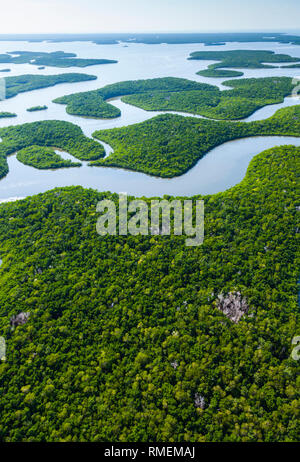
(124, 339)
(3, 115)
(168, 145)
(37, 108)
(54, 59)
(219, 73)
(28, 82)
(50, 133)
(44, 158)
(251, 59)
(176, 94)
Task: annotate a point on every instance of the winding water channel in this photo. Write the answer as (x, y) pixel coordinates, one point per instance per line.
(220, 169)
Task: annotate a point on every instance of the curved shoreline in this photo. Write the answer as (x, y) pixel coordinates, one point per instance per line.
(220, 169)
(139, 63)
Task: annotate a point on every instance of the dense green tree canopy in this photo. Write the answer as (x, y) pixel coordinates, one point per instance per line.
(124, 339)
(175, 94)
(22, 83)
(168, 145)
(93, 103)
(244, 98)
(43, 158)
(51, 133)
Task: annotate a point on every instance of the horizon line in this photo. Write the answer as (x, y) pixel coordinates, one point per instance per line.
(234, 31)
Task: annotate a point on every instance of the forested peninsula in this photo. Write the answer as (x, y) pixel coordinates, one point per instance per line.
(49, 133)
(165, 146)
(43, 158)
(168, 145)
(125, 338)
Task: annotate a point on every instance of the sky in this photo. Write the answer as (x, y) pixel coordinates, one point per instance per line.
(104, 16)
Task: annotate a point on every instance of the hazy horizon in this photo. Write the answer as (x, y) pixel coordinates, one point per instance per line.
(200, 31)
(140, 16)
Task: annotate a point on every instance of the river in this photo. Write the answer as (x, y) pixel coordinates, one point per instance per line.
(220, 169)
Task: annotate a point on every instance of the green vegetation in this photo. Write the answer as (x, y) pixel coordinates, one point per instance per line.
(292, 66)
(92, 103)
(3, 115)
(175, 94)
(219, 73)
(124, 333)
(23, 83)
(168, 145)
(51, 133)
(252, 59)
(43, 158)
(37, 108)
(55, 59)
(246, 97)
(88, 104)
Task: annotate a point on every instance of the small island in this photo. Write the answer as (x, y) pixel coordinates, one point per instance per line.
(43, 158)
(219, 73)
(4, 115)
(37, 108)
(5, 70)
